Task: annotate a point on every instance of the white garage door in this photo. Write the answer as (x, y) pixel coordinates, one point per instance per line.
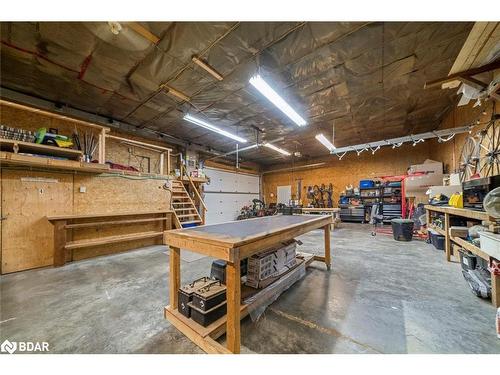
(227, 193)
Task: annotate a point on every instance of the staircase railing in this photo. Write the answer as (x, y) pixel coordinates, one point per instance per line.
(203, 207)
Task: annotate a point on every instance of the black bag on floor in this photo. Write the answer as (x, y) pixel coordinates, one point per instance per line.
(479, 282)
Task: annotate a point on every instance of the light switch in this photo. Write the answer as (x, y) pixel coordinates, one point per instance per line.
(83, 189)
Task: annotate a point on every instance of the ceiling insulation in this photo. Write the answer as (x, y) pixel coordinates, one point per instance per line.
(366, 78)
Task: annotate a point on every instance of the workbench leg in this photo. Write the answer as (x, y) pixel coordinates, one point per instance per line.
(428, 218)
(233, 284)
(59, 243)
(328, 260)
(175, 276)
(447, 242)
(495, 290)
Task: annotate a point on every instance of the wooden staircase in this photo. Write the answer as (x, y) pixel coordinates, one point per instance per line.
(183, 206)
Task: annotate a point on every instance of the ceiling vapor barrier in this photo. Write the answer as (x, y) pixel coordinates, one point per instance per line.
(366, 79)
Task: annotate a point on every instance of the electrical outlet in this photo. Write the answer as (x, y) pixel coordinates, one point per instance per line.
(83, 189)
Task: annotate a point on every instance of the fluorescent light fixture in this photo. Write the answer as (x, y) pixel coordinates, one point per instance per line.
(325, 142)
(202, 64)
(280, 150)
(213, 128)
(277, 100)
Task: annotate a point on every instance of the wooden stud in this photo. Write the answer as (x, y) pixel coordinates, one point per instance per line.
(175, 276)
(447, 242)
(233, 283)
(495, 290)
(142, 31)
(59, 243)
(328, 260)
(162, 162)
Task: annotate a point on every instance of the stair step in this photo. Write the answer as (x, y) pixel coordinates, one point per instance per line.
(183, 203)
(188, 215)
(191, 222)
(185, 209)
(180, 197)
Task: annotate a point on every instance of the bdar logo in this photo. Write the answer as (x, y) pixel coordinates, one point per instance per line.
(8, 346)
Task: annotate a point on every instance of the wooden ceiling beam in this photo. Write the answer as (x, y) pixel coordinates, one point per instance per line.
(464, 75)
(142, 31)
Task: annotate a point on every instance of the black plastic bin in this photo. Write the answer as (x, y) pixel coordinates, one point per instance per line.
(437, 240)
(402, 229)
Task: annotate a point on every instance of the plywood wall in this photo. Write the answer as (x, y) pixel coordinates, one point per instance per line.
(116, 151)
(349, 170)
(449, 152)
(27, 197)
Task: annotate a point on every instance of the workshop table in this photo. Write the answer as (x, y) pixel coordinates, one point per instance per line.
(232, 242)
(333, 211)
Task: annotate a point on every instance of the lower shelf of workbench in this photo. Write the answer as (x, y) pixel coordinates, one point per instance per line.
(205, 337)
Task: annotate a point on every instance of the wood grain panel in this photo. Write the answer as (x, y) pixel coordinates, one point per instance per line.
(27, 197)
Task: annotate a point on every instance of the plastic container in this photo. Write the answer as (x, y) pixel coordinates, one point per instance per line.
(363, 184)
(402, 229)
(437, 240)
(468, 261)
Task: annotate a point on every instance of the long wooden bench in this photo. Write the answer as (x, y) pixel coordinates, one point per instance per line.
(62, 224)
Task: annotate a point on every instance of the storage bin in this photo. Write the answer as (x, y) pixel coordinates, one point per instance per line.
(363, 184)
(218, 269)
(467, 260)
(437, 240)
(402, 229)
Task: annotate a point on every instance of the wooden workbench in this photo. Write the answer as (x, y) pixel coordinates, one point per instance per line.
(470, 214)
(64, 223)
(333, 211)
(232, 241)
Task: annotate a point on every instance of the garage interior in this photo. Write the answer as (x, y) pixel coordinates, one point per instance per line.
(250, 187)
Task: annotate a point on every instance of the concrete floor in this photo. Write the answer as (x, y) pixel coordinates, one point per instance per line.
(381, 296)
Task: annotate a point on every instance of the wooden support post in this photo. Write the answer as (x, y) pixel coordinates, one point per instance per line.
(162, 162)
(328, 260)
(447, 241)
(102, 147)
(175, 276)
(495, 290)
(428, 218)
(233, 279)
(59, 243)
(168, 163)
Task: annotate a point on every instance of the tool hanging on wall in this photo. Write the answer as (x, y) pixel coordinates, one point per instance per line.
(88, 146)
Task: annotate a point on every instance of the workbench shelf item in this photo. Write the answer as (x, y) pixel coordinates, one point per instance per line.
(62, 224)
(16, 147)
(13, 159)
(198, 334)
(469, 214)
(232, 242)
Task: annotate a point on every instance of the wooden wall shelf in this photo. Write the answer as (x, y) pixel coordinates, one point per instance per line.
(10, 158)
(16, 147)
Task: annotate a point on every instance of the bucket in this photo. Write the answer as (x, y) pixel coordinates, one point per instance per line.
(402, 229)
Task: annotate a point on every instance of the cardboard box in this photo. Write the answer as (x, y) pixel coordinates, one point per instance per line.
(270, 263)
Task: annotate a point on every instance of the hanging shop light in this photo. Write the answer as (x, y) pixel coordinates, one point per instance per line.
(275, 148)
(213, 128)
(325, 142)
(277, 100)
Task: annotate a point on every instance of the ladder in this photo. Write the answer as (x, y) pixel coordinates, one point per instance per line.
(183, 206)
